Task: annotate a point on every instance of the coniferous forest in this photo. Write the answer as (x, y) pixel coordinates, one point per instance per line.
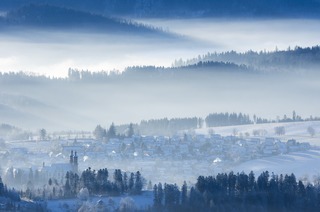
(178, 8)
(95, 182)
(223, 192)
(239, 192)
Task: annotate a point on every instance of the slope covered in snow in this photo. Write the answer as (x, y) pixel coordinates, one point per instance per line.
(303, 164)
(293, 130)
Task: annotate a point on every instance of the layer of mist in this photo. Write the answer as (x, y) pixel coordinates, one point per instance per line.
(53, 52)
(136, 95)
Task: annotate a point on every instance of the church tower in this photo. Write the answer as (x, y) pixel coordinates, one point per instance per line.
(75, 159)
(75, 162)
(71, 157)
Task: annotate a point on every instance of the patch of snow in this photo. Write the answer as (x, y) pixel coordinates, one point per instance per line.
(85, 158)
(293, 130)
(299, 163)
(140, 202)
(217, 160)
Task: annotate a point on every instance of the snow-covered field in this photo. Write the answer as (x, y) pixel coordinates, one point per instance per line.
(305, 165)
(293, 130)
(139, 202)
(302, 164)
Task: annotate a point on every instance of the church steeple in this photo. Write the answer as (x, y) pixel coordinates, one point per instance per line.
(75, 162)
(75, 159)
(71, 157)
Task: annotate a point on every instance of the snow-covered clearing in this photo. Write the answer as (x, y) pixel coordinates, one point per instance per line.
(293, 130)
(302, 164)
(108, 203)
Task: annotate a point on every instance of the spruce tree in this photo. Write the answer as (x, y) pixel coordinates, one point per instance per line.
(112, 131)
(138, 183)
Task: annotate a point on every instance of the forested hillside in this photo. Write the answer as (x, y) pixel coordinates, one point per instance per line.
(284, 60)
(55, 17)
(185, 8)
(239, 192)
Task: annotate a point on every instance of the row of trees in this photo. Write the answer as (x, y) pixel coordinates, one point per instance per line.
(153, 72)
(226, 61)
(45, 15)
(98, 182)
(101, 133)
(290, 58)
(186, 8)
(167, 126)
(94, 182)
(150, 127)
(226, 119)
(240, 192)
(125, 131)
(9, 195)
(281, 130)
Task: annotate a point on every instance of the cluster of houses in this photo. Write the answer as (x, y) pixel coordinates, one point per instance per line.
(153, 155)
(184, 147)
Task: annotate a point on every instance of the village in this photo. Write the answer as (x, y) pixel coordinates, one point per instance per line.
(181, 157)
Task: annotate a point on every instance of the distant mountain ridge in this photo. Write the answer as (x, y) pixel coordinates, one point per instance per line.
(52, 15)
(184, 8)
(47, 16)
(290, 59)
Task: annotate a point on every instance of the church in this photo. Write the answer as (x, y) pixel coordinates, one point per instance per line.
(42, 174)
(59, 170)
(74, 162)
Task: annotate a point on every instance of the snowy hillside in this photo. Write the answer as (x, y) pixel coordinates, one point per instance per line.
(293, 130)
(302, 164)
(103, 203)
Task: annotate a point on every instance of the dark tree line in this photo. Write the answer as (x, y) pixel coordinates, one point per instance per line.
(199, 65)
(50, 15)
(163, 126)
(10, 196)
(239, 192)
(96, 182)
(130, 73)
(227, 119)
(168, 126)
(154, 72)
(100, 183)
(297, 57)
(22, 77)
(185, 8)
(101, 133)
(250, 61)
(8, 193)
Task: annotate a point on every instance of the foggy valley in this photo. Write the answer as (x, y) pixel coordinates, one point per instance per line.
(159, 105)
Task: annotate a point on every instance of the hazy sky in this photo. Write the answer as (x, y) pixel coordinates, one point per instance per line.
(52, 53)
